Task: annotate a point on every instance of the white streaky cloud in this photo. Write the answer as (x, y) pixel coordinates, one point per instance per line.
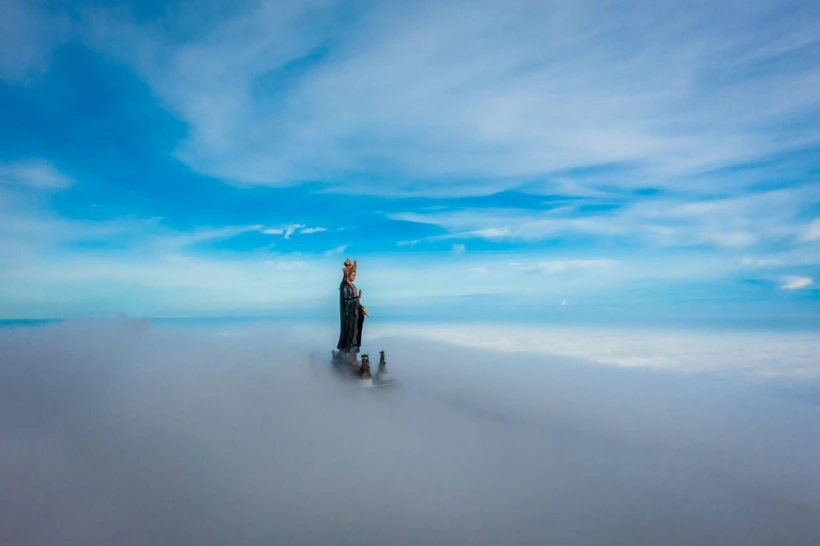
(31, 32)
(157, 274)
(162, 284)
(561, 265)
(173, 241)
(337, 250)
(796, 283)
(731, 239)
(507, 224)
(812, 231)
(43, 273)
(148, 267)
(459, 249)
(555, 266)
(489, 233)
(480, 270)
(729, 222)
(428, 92)
(289, 230)
(762, 262)
(34, 174)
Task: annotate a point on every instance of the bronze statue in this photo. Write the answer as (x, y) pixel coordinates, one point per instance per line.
(351, 312)
(351, 318)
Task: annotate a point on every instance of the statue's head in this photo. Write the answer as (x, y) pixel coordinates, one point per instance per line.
(349, 270)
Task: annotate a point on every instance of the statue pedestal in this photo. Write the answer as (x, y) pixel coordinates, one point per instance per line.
(346, 364)
(342, 361)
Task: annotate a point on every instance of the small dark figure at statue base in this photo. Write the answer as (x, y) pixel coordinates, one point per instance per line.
(381, 379)
(382, 363)
(364, 370)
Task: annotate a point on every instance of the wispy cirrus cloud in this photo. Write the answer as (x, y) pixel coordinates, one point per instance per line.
(30, 33)
(423, 91)
(554, 266)
(737, 221)
(37, 174)
(134, 265)
(336, 251)
(796, 283)
(289, 230)
(145, 266)
(812, 231)
(761, 262)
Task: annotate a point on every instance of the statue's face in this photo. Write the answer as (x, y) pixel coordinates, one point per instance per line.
(352, 276)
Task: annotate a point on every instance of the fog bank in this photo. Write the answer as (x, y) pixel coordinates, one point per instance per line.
(129, 433)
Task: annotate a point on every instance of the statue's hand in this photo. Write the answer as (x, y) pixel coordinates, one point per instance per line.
(364, 312)
(360, 292)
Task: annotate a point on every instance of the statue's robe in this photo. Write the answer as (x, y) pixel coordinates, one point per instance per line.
(352, 318)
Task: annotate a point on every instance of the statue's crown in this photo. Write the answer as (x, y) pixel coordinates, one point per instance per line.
(349, 267)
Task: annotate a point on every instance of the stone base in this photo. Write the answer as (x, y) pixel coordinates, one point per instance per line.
(346, 363)
(349, 365)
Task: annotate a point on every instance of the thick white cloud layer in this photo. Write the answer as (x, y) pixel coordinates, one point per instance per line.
(756, 356)
(132, 434)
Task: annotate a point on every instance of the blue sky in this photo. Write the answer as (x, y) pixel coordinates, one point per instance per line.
(575, 161)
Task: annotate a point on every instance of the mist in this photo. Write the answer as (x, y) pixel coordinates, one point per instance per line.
(132, 433)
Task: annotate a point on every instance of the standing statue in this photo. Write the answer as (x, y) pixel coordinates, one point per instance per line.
(351, 313)
(351, 318)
